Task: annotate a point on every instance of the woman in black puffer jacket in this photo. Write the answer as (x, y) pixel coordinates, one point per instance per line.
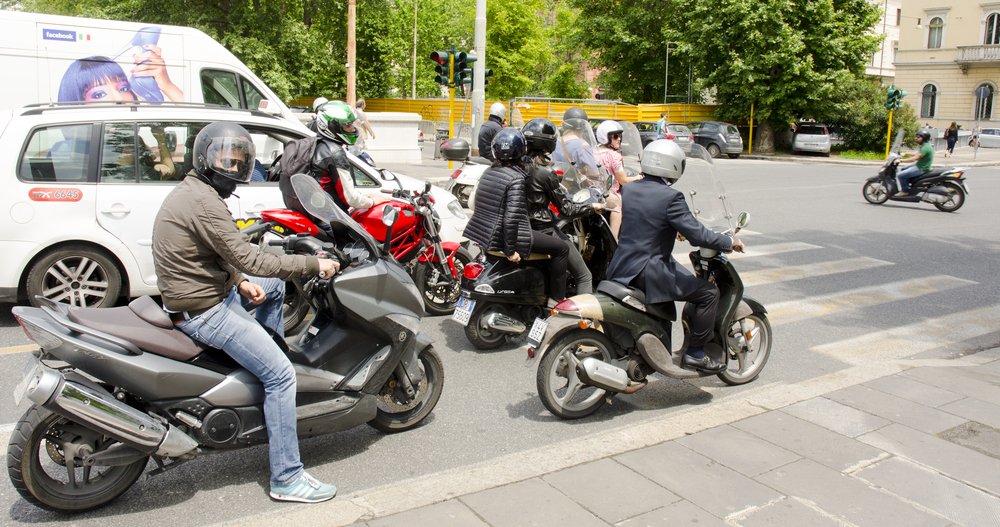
(500, 219)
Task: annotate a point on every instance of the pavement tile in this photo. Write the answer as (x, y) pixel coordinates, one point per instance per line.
(738, 450)
(610, 490)
(903, 411)
(945, 496)
(698, 479)
(846, 497)
(787, 512)
(975, 410)
(808, 440)
(956, 461)
(977, 436)
(529, 503)
(961, 380)
(914, 390)
(837, 417)
(680, 513)
(451, 513)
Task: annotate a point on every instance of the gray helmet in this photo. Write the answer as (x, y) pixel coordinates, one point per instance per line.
(575, 112)
(925, 135)
(663, 158)
(497, 109)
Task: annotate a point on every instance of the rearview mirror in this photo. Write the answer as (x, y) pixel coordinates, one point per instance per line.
(389, 215)
(743, 219)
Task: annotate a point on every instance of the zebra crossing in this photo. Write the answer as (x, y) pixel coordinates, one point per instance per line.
(886, 344)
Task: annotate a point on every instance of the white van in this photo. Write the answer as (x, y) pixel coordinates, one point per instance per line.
(69, 59)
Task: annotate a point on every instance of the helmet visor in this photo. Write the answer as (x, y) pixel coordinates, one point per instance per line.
(232, 157)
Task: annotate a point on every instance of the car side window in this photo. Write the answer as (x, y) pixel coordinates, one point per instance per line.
(250, 94)
(162, 155)
(220, 87)
(57, 154)
(362, 179)
(118, 160)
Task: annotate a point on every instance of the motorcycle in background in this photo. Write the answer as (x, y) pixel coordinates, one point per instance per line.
(944, 187)
(113, 387)
(596, 346)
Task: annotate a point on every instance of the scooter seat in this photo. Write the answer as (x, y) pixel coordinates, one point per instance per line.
(934, 172)
(477, 160)
(140, 324)
(620, 292)
(531, 257)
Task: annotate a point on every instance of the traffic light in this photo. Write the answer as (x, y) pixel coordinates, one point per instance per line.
(443, 68)
(463, 70)
(894, 98)
(486, 75)
(899, 98)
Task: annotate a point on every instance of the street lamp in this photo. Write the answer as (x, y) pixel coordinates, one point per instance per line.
(666, 72)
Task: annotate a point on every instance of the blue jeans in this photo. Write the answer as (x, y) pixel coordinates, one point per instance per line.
(906, 175)
(228, 326)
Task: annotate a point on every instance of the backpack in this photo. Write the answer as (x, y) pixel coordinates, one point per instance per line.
(295, 159)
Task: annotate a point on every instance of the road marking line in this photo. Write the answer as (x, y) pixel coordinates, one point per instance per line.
(18, 349)
(819, 306)
(788, 273)
(906, 341)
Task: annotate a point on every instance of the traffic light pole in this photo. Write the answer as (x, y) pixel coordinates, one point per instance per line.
(451, 98)
(888, 135)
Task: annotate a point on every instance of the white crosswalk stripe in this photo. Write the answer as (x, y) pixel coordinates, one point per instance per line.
(788, 273)
(909, 340)
(819, 306)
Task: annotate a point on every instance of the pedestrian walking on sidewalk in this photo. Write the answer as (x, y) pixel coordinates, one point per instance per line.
(951, 137)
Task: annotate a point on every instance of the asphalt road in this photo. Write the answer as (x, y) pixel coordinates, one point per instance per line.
(845, 283)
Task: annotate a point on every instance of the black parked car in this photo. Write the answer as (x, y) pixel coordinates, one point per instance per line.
(718, 138)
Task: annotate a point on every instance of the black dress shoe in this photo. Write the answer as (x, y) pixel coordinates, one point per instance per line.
(705, 364)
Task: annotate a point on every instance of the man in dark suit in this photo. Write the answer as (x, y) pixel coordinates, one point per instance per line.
(653, 213)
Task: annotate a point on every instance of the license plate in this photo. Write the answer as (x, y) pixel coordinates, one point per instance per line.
(537, 332)
(27, 375)
(463, 310)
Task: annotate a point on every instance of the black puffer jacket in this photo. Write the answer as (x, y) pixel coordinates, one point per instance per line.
(543, 188)
(500, 221)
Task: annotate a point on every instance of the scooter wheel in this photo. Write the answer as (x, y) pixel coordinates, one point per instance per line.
(479, 335)
(743, 367)
(955, 201)
(560, 389)
(875, 192)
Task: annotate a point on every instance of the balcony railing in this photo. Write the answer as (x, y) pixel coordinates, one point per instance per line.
(979, 53)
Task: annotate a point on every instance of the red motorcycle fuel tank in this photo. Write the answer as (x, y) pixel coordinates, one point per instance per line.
(371, 220)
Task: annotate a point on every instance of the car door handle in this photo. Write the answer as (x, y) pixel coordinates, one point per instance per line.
(117, 209)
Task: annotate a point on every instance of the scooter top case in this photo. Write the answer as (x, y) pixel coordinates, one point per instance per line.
(505, 282)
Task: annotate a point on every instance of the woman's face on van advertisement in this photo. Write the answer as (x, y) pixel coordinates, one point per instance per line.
(110, 90)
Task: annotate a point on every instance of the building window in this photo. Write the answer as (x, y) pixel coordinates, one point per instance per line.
(928, 101)
(992, 29)
(899, 15)
(935, 32)
(984, 101)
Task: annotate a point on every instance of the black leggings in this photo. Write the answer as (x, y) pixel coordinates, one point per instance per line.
(559, 251)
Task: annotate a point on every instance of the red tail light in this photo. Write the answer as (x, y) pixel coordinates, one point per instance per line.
(472, 270)
(671, 136)
(455, 174)
(567, 306)
(560, 172)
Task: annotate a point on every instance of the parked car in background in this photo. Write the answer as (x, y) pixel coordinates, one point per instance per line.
(811, 137)
(718, 138)
(675, 132)
(988, 138)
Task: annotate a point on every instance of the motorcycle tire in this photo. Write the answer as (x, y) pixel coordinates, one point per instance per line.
(558, 386)
(38, 469)
(397, 412)
(956, 201)
(480, 337)
(295, 308)
(745, 371)
(440, 298)
(875, 192)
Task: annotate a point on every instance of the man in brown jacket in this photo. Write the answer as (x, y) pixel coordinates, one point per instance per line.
(200, 257)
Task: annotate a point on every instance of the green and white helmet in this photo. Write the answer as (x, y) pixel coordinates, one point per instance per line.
(335, 120)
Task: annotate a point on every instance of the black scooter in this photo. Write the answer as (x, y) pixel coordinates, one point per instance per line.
(943, 187)
(113, 387)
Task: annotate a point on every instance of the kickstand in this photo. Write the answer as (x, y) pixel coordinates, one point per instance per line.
(162, 467)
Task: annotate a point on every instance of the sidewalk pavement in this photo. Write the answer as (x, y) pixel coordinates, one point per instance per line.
(904, 442)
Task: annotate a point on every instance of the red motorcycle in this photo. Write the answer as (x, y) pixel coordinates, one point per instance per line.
(436, 266)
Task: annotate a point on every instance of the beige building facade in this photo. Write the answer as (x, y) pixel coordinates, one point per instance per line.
(881, 64)
(948, 60)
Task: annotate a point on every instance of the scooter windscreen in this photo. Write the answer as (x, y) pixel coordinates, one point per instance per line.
(704, 193)
(897, 142)
(631, 147)
(577, 143)
(321, 206)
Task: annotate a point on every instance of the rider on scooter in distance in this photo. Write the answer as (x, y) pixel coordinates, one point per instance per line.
(643, 258)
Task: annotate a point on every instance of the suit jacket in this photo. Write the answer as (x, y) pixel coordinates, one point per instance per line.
(652, 215)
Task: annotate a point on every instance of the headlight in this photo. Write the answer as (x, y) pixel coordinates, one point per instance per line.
(581, 196)
(456, 210)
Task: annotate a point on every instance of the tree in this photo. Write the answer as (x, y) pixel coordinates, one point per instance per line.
(515, 46)
(861, 117)
(784, 57)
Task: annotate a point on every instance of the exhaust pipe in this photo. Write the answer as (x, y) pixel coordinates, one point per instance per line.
(505, 324)
(100, 411)
(606, 376)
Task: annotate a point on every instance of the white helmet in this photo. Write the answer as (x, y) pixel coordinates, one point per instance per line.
(606, 128)
(499, 110)
(663, 158)
(320, 101)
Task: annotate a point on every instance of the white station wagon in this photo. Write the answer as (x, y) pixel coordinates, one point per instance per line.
(80, 204)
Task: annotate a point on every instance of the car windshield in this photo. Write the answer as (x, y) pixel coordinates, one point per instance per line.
(812, 130)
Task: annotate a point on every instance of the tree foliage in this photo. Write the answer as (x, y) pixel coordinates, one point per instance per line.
(862, 119)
